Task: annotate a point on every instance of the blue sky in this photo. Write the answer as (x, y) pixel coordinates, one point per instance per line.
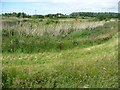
(59, 6)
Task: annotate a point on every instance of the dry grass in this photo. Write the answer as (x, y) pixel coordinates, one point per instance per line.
(51, 27)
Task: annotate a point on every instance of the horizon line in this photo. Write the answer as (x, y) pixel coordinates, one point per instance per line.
(63, 13)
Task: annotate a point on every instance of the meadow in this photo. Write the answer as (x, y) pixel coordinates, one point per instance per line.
(59, 53)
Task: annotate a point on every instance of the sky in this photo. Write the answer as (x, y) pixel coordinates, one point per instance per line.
(58, 6)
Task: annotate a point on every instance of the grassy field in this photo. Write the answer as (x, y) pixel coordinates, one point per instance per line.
(81, 58)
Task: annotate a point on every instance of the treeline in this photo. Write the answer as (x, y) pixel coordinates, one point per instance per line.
(90, 14)
(14, 14)
(24, 15)
(83, 15)
(100, 15)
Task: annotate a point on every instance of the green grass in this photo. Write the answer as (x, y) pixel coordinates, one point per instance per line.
(13, 41)
(94, 67)
(87, 58)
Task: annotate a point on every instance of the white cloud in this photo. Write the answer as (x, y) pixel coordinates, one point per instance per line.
(62, 1)
(68, 6)
(25, 1)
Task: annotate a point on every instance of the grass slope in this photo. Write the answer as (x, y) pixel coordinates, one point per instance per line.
(86, 58)
(13, 41)
(95, 67)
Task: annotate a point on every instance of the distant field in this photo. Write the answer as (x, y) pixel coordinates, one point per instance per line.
(60, 53)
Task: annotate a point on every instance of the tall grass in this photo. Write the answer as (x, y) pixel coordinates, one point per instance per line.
(20, 41)
(51, 27)
(80, 58)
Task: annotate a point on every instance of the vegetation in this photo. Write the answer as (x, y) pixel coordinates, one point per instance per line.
(59, 53)
(14, 41)
(93, 67)
(99, 16)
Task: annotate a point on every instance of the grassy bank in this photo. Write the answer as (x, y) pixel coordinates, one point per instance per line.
(79, 59)
(95, 66)
(15, 41)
